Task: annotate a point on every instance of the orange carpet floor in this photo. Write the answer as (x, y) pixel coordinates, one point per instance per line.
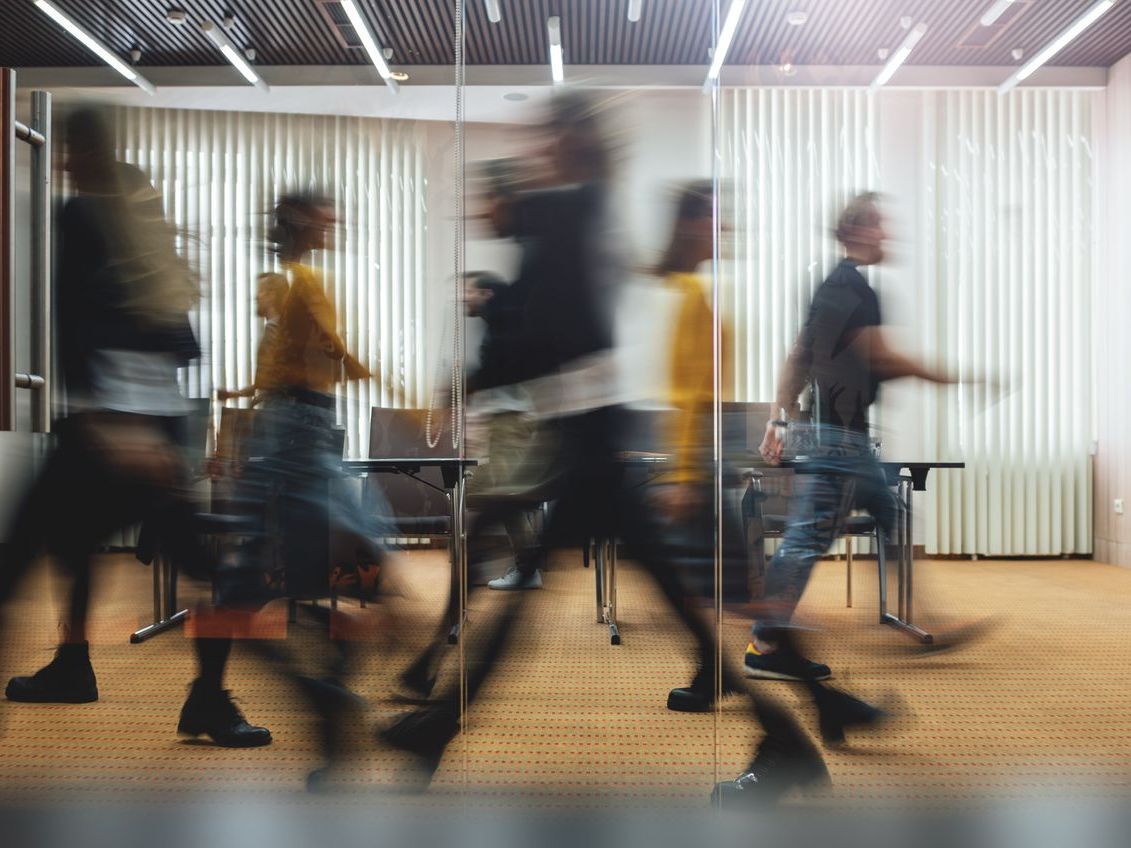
(1043, 701)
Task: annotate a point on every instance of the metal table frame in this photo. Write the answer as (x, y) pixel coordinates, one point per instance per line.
(165, 612)
(453, 471)
(906, 484)
(603, 552)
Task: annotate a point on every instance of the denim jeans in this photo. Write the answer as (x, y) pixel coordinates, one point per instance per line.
(838, 475)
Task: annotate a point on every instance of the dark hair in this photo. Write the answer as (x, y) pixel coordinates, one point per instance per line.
(293, 215)
(577, 114)
(694, 201)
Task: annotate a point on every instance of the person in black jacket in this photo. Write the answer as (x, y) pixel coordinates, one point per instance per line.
(122, 300)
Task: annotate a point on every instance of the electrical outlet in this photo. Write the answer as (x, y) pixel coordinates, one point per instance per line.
(1117, 505)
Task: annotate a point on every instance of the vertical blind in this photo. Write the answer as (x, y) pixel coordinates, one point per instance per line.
(1015, 259)
(220, 174)
(791, 158)
(1009, 254)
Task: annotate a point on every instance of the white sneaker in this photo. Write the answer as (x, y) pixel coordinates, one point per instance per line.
(513, 580)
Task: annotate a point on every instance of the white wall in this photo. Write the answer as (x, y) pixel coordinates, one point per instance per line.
(1112, 319)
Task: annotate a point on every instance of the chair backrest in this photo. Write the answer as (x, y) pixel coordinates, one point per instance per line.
(233, 437)
(403, 433)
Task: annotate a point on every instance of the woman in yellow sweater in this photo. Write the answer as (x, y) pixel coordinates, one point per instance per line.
(687, 500)
(691, 368)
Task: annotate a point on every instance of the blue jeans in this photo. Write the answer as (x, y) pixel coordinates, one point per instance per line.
(295, 485)
(839, 475)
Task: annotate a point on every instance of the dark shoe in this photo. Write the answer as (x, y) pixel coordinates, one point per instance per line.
(783, 665)
(699, 697)
(424, 733)
(419, 677)
(67, 679)
(838, 711)
(214, 714)
(777, 769)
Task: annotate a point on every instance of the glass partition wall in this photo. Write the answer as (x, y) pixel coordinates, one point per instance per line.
(588, 271)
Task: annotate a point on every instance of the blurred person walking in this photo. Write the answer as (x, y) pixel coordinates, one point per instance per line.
(122, 299)
(566, 345)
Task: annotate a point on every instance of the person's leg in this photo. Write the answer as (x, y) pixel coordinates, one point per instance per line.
(209, 709)
(821, 503)
(69, 677)
(60, 494)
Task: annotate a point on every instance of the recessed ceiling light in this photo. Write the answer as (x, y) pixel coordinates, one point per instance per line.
(176, 16)
(1018, 54)
(787, 69)
(883, 53)
(399, 76)
(515, 96)
(797, 18)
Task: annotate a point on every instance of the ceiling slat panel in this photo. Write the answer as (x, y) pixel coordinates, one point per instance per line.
(670, 32)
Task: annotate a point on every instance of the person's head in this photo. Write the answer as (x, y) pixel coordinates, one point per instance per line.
(270, 291)
(692, 238)
(578, 148)
(89, 145)
(303, 222)
(480, 288)
(860, 229)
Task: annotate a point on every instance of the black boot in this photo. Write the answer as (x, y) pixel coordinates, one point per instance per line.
(699, 697)
(212, 713)
(777, 768)
(67, 679)
(838, 711)
(424, 733)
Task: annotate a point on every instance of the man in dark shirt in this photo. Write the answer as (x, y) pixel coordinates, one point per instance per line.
(841, 351)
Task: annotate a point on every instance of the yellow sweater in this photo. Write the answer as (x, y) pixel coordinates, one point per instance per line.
(309, 353)
(691, 389)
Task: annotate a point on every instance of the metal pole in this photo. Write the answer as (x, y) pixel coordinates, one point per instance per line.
(41, 292)
(7, 252)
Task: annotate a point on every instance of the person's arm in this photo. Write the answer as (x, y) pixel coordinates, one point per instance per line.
(794, 376)
(870, 344)
(232, 394)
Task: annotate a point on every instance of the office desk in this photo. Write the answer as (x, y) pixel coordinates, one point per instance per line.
(453, 470)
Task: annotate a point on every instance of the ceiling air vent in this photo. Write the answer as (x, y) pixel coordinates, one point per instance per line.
(980, 37)
(340, 24)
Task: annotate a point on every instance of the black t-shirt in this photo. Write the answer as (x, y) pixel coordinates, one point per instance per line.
(845, 383)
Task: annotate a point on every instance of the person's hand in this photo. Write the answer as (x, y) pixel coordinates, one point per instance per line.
(678, 502)
(225, 394)
(772, 444)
